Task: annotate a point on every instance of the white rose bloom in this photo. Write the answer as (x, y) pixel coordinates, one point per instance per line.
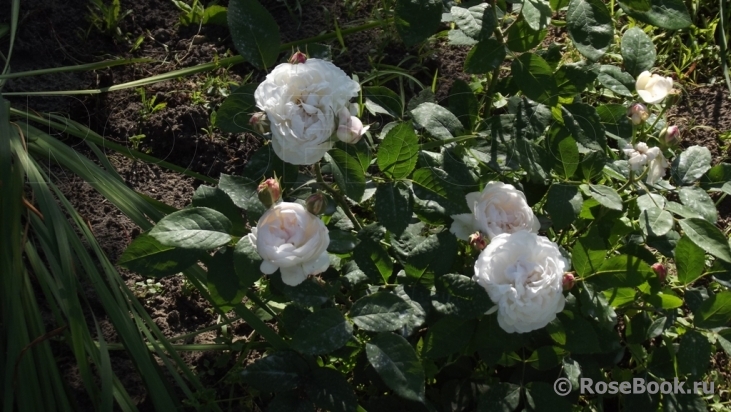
(523, 274)
(652, 88)
(499, 208)
(302, 102)
(640, 155)
(657, 166)
(293, 240)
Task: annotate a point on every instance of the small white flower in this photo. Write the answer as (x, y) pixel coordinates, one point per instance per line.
(657, 166)
(301, 102)
(499, 208)
(291, 239)
(640, 155)
(350, 128)
(523, 273)
(653, 88)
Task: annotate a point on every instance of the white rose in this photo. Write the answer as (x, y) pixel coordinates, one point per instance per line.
(657, 168)
(639, 155)
(499, 208)
(523, 274)
(291, 239)
(301, 102)
(652, 88)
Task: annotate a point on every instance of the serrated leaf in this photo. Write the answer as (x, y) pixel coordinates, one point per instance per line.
(605, 195)
(656, 222)
(397, 154)
(373, 260)
(484, 57)
(223, 283)
(477, 22)
(242, 192)
(522, 38)
(198, 228)
(247, 262)
(694, 354)
(708, 237)
(437, 192)
(322, 332)
(563, 204)
(397, 364)
(699, 201)
(447, 336)
(438, 121)
(380, 312)
(621, 271)
(278, 372)
(714, 312)
(690, 260)
(307, 294)
(254, 32)
(386, 98)
(217, 199)
(584, 124)
(590, 27)
(341, 241)
(690, 165)
(460, 296)
(535, 78)
(348, 173)
(667, 14)
(463, 104)
(588, 254)
(394, 206)
(537, 13)
(148, 257)
(638, 52)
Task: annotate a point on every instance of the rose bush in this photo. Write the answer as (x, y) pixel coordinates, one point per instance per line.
(499, 208)
(292, 240)
(302, 102)
(523, 273)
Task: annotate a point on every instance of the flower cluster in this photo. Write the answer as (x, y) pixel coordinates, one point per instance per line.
(523, 273)
(640, 155)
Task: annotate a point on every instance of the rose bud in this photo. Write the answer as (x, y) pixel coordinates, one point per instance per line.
(269, 192)
(568, 281)
(638, 113)
(660, 271)
(477, 241)
(316, 203)
(670, 135)
(298, 58)
(259, 121)
(351, 131)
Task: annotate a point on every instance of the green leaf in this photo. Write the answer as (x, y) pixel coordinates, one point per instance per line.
(666, 14)
(534, 159)
(234, 113)
(254, 32)
(621, 271)
(717, 177)
(242, 192)
(522, 38)
(478, 22)
(573, 78)
(500, 397)
(683, 402)
(614, 79)
(605, 195)
(436, 193)
(341, 241)
(394, 206)
(380, 312)
(681, 210)
(535, 78)
(614, 119)
(649, 200)
(264, 163)
(217, 199)
(537, 13)
(278, 372)
(590, 27)
(397, 364)
(222, 281)
(546, 357)
(419, 254)
(565, 151)
(588, 254)
(437, 120)
(397, 154)
(714, 312)
(563, 204)
(664, 301)
(463, 104)
(580, 335)
(307, 294)
(638, 52)
(247, 262)
(148, 257)
(699, 201)
(484, 57)
(417, 19)
(585, 126)
(655, 221)
(198, 228)
(322, 332)
(373, 260)
(348, 173)
(448, 335)
(690, 260)
(458, 38)
(708, 237)
(330, 391)
(217, 15)
(694, 354)
(386, 98)
(460, 296)
(690, 165)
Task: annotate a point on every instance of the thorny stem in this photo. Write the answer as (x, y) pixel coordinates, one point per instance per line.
(338, 198)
